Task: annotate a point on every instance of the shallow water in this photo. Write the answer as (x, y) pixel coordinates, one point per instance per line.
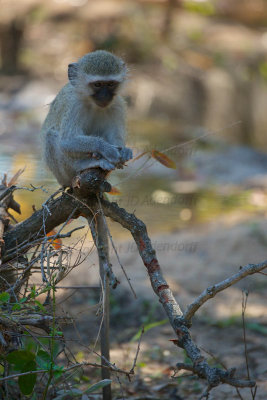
(150, 190)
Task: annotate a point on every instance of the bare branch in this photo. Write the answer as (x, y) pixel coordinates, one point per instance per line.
(137, 350)
(211, 291)
(58, 210)
(115, 250)
(7, 378)
(200, 367)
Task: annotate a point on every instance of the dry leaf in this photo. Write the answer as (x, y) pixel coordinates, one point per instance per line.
(163, 159)
(56, 243)
(114, 191)
(14, 179)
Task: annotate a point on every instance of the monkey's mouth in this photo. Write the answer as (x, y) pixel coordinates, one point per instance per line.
(103, 103)
(102, 99)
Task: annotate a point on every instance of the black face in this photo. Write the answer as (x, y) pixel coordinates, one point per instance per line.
(103, 92)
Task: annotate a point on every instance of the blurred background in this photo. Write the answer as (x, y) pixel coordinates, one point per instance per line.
(198, 92)
(198, 85)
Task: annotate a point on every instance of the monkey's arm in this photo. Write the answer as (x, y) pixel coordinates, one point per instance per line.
(82, 145)
(115, 133)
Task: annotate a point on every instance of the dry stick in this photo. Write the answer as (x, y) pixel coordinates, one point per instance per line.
(109, 367)
(114, 248)
(211, 291)
(83, 364)
(218, 360)
(99, 233)
(244, 306)
(137, 350)
(101, 250)
(7, 191)
(39, 371)
(200, 367)
(29, 229)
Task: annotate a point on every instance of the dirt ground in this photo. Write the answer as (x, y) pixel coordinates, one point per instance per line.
(191, 261)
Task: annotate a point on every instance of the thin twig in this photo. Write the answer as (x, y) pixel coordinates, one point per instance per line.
(113, 281)
(7, 191)
(244, 306)
(211, 291)
(110, 367)
(114, 248)
(39, 371)
(137, 350)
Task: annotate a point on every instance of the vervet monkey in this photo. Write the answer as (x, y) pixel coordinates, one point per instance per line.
(85, 126)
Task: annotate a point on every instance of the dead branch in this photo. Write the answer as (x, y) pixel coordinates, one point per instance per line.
(6, 201)
(200, 367)
(103, 256)
(211, 291)
(56, 211)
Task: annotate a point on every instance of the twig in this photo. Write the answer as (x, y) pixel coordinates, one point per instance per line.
(114, 248)
(65, 235)
(137, 350)
(218, 360)
(103, 256)
(110, 367)
(32, 189)
(211, 291)
(7, 191)
(244, 306)
(206, 393)
(39, 371)
(200, 367)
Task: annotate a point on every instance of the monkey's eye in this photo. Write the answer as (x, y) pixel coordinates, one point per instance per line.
(111, 84)
(97, 84)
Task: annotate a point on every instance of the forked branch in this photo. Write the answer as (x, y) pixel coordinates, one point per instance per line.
(57, 210)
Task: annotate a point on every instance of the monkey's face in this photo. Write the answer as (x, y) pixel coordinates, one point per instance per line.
(103, 92)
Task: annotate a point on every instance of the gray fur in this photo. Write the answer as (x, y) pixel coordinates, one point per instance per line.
(77, 133)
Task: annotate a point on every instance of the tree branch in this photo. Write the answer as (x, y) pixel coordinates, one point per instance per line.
(200, 367)
(211, 291)
(56, 211)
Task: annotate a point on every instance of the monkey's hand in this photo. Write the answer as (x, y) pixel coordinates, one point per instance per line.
(109, 152)
(126, 154)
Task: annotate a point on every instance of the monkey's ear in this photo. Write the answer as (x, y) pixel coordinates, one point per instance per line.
(73, 73)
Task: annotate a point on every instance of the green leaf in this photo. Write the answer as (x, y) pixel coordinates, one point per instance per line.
(33, 292)
(141, 364)
(57, 371)
(254, 326)
(147, 327)
(19, 358)
(58, 333)
(16, 307)
(4, 297)
(98, 385)
(40, 305)
(23, 300)
(43, 359)
(64, 394)
(29, 344)
(34, 396)
(27, 382)
(46, 289)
